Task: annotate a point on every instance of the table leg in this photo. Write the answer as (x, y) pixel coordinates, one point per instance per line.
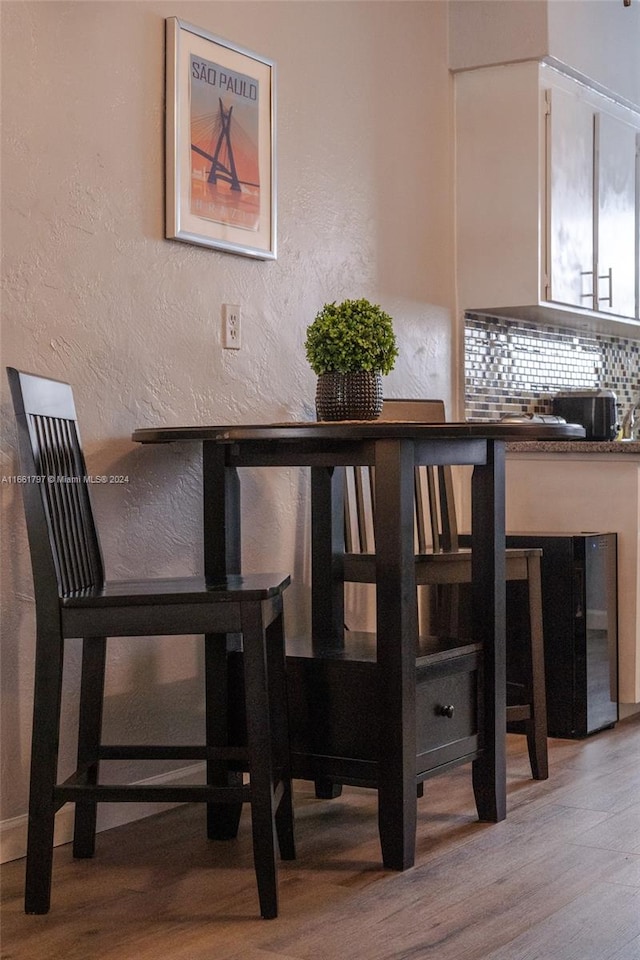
(327, 554)
(221, 513)
(327, 577)
(397, 630)
(221, 523)
(487, 527)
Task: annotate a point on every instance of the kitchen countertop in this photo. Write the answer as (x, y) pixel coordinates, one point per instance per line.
(616, 447)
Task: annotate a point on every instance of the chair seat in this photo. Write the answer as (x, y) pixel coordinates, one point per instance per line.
(439, 568)
(514, 553)
(113, 593)
(140, 608)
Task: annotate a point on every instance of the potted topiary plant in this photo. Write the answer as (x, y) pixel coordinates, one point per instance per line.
(349, 346)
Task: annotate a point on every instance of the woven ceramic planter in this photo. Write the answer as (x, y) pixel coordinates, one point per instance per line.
(349, 396)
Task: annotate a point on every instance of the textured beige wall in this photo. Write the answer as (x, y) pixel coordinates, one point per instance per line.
(601, 39)
(94, 294)
(598, 38)
(496, 31)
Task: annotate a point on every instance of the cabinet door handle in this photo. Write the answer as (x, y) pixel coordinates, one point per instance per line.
(445, 710)
(583, 296)
(607, 276)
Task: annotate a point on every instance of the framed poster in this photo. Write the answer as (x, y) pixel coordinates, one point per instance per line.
(220, 140)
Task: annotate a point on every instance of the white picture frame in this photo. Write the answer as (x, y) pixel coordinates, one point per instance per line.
(220, 144)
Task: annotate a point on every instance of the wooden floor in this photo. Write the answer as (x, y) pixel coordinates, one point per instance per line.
(558, 880)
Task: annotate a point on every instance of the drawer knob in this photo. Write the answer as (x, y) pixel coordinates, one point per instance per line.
(445, 711)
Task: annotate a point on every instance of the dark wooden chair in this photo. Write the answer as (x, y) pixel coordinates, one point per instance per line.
(442, 562)
(73, 600)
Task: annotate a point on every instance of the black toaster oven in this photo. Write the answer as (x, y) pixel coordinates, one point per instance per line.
(595, 409)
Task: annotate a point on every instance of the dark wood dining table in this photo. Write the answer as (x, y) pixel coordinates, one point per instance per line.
(385, 749)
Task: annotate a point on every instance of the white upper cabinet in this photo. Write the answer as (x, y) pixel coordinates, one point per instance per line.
(616, 232)
(547, 198)
(570, 210)
(591, 176)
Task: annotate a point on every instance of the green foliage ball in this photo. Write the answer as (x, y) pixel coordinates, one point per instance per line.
(350, 336)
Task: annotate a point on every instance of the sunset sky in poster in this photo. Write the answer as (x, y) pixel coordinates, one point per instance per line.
(210, 84)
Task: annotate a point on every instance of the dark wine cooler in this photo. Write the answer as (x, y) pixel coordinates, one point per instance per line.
(579, 598)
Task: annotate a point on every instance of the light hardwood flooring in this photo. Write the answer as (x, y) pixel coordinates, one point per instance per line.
(558, 880)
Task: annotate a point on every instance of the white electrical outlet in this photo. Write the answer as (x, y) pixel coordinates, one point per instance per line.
(231, 326)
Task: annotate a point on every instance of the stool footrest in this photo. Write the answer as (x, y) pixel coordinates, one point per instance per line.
(169, 752)
(135, 793)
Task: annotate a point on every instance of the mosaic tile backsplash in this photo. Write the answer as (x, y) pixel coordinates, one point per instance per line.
(513, 366)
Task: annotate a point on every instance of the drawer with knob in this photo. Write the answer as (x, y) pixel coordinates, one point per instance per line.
(334, 707)
(447, 710)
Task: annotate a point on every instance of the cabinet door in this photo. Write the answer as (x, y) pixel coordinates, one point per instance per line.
(616, 221)
(570, 200)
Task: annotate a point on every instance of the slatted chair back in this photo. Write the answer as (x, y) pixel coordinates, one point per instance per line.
(436, 528)
(64, 545)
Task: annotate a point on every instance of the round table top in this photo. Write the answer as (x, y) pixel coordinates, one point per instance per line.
(362, 430)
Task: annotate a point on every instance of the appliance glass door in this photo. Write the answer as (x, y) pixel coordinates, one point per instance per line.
(600, 616)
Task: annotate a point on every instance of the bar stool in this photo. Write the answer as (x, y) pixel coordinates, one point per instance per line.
(73, 600)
